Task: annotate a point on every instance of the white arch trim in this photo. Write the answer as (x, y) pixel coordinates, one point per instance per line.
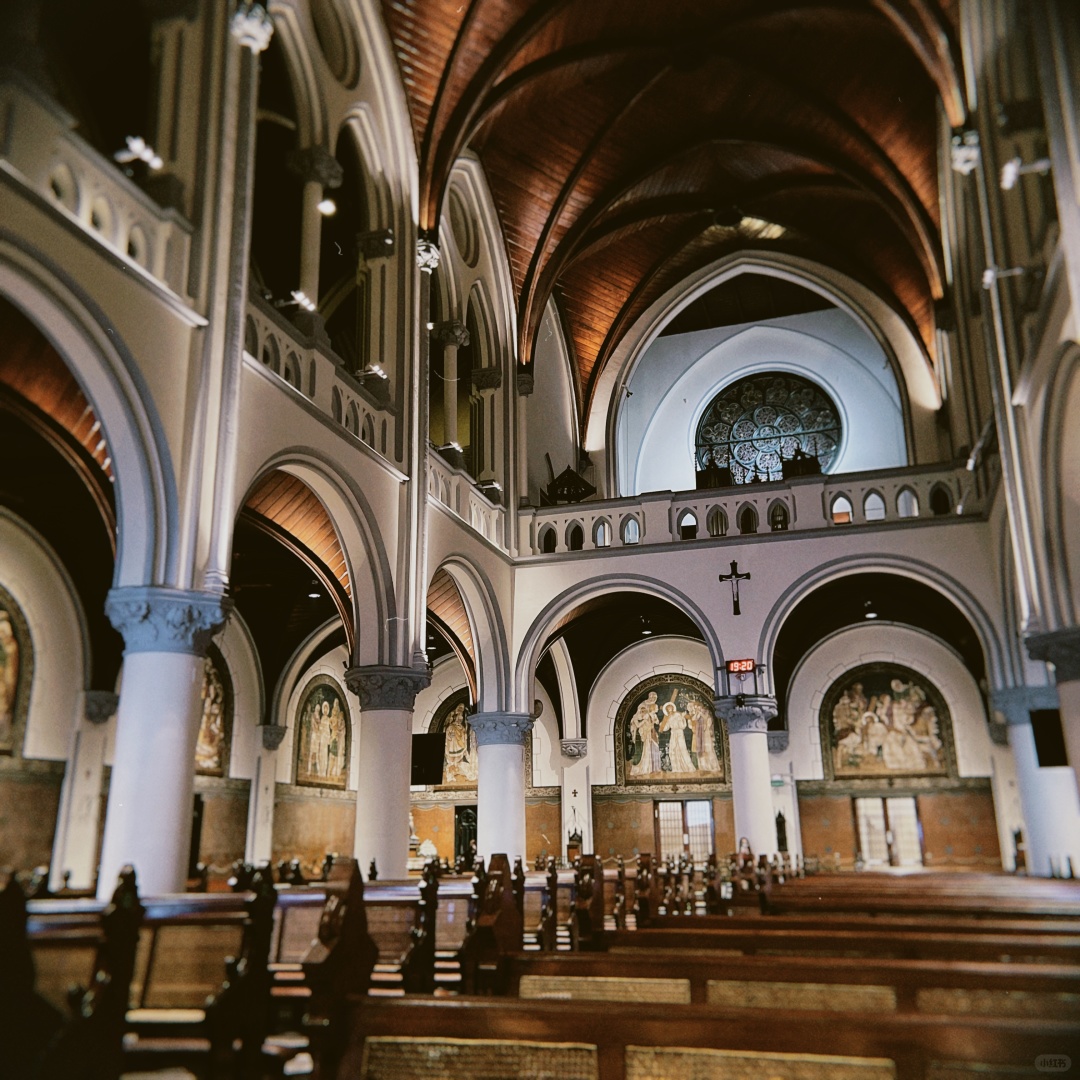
(146, 498)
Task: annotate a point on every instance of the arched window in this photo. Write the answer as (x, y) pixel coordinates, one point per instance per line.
(747, 519)
(716, 522)
(940, 500)
(907, 504)
(762, 426)
(688, 525)
(873, 507)
(547, 540)
(367, 431)
(631, 531)
(602, 534)
(778, 517)
(270, 355)
(841, 510)
(575, 537)
(335, 405)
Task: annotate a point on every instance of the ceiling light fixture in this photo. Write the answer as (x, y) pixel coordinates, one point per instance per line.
(1013, 169)
(868, 610)
(138, 149)
(327, 207)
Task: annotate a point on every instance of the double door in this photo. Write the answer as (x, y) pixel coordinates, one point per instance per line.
(889, 831)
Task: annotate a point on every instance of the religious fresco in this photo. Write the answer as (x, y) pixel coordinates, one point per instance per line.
(215, 726)
(666, 730)
(322, 735)
(885, 720)
(460, 755)
(15, 669)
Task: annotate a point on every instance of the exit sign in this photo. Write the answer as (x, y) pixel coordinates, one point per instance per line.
(740, 667)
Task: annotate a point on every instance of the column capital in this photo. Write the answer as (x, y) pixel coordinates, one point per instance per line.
(99, 705)
(574, 748)
(506, 729)
(1016, 703)
(486, 378)
(383, 687)
(965, 152)
(272, 735)
(745, 712)
(1060, 648)
(153, 618)
(317, 165)
(451, 332)
(252, 27)
(427, 255)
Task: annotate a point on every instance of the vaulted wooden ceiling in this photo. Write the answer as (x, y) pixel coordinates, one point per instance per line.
(628, 144)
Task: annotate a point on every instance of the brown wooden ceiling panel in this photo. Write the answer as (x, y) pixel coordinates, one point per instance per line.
(290, 504)
(445, 602)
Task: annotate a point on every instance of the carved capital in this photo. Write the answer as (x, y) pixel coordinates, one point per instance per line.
(380, 687)
(487, 378)
(574, 748)
(252, 27)
(451, 332)
(965, 152)
(503, 729)
(157, 619)
(427, 255)
(778, 742)
(1016, 703)
(746, 712)
(318, 165)
(1060, 648)
(524, 380)
(99, 705)
(272, 735)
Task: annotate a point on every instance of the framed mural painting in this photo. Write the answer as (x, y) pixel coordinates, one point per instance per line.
(323, 735)
(882, 720)
(666, 731)
(215, 726)
(16, 667)
(460, 755)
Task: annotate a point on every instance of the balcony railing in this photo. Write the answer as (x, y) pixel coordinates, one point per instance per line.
(457, 491)
(856, 500)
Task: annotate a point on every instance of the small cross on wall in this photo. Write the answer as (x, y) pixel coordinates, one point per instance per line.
(574, 793)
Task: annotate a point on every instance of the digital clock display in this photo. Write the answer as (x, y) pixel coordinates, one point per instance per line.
(736, 667)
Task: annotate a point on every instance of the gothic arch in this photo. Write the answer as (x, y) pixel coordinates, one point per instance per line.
(146, 497)
(528, 653)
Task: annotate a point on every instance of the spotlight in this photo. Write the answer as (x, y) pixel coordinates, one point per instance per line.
(303, 300)
(868, 610)
(327, 207)
(646, 627)
(138, 149)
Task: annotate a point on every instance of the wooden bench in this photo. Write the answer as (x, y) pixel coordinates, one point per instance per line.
(495, 929)
(463, 1038)
(540, 914)
(64, 981)
(401, 920)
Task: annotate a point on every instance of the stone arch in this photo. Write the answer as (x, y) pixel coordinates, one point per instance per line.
(378, 637)
(990, 641)
(490, 641)
(528, 653)
(107, 373)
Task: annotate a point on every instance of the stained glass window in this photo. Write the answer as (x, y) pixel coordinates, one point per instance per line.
(756, 424)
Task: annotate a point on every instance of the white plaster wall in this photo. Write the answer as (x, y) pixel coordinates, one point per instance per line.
(1070, 488)
(651, 656)
(238, 651)
(35, 577)
(331, 664)
(547, 756)
(551, 422)
(680, 374)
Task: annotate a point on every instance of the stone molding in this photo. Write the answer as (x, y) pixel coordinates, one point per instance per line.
(1016, 703)
(746, 712)
(501, 729)
(451, 332)
(380, 687)
(428, 256)
(99, 705)
(153, 618)
(252, 27)
(317, 165)
(574, 748)
(272, 735)
(486, 378)
(1060, 648)
(778, 741)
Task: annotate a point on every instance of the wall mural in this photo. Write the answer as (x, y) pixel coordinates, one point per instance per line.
(16, 665)
(215, 727)
(885, 720)
(460, 755)
(322, 735)
(666, 730)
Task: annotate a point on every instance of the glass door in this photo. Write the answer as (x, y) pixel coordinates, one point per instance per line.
(889, 831)
(684, 828)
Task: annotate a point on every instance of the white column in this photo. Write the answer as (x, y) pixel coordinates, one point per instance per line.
(259, 842)
(148, 820)
(1061, 648)
(500, 796)
(577, 795)
(386, 698)
(747, 719)
(76, 840)
(524, 380)
(319, 170)
(453, 336)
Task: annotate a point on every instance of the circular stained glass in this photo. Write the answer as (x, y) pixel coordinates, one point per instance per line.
(756, 424)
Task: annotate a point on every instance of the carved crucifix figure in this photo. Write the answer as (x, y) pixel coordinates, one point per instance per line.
(735, 577)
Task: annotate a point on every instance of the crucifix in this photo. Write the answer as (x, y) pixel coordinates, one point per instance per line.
(735, 577)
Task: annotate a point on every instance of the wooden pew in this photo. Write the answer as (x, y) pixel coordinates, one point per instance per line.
(64, 981)
(589, 902)
(401, 920)
(929, 987)
(200, 987)
(540, 913)
(466, 1037)
(495, 929)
